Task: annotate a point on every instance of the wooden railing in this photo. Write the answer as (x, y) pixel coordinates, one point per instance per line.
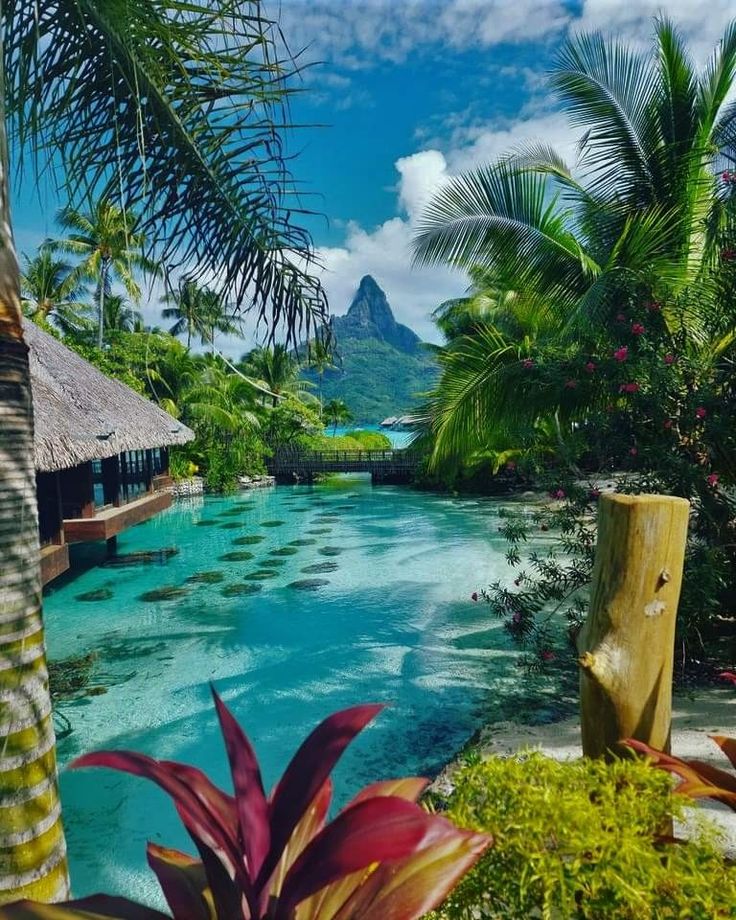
(305, 464)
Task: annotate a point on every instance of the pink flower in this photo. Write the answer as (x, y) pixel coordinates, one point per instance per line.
(594, 494)
(637, 329)
(701, 412)
(712, 480)
(629, 388)
(571, 384)
(547, 654)
(621, 354)
(668, 423)
(516, 618)
(633, 451)
(590, 367)
(728, 676)
(669, 359)
(527, 363)
(728, 176)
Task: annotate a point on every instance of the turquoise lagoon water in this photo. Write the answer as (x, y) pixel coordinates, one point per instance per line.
(393, 622)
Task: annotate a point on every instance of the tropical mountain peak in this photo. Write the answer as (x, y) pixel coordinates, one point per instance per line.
(382, 366)
(370, 316)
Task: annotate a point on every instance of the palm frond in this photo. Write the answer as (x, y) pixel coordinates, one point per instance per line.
(177, 108)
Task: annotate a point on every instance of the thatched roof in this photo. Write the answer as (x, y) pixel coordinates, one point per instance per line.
(80, 414)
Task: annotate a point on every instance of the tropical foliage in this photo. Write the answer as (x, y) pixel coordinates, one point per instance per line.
(277, 856)
(698, 780)
(109, 248)
(336, 412)
(598, 337)
(583, 840)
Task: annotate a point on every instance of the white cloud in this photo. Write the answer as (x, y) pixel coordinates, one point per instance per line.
(701, 24)
(359, 34)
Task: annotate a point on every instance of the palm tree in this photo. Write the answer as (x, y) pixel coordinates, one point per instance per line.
(320, 360)
(120, 316)
(558, 249)
(277, 370)
(337, 413)
(49, 287)
(110, 249)
(189, 308)
(182, 107)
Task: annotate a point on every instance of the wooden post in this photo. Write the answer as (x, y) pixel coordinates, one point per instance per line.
(627, 643)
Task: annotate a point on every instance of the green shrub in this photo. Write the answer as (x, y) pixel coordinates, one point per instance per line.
(352, 440)
(577, 840)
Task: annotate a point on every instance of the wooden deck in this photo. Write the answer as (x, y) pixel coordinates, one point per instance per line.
(383, 465)
(111, 521)
(54, 561)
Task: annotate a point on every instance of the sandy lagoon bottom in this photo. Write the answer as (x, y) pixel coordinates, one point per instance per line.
(367, 600)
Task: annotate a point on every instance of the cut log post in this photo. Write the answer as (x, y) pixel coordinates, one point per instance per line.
(627, 643)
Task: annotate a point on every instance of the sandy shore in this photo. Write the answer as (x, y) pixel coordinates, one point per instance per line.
(695, 716)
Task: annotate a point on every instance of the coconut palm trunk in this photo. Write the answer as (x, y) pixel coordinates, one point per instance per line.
(104, 281)
(32, 847)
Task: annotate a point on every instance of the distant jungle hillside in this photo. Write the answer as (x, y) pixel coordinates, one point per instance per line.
(381, 367)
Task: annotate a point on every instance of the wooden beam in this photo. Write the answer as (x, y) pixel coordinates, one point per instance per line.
(627, 643)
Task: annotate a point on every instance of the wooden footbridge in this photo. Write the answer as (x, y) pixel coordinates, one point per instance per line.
(290, 466)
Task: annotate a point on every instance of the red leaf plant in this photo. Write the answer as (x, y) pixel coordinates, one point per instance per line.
(277, 857)
(698, 780)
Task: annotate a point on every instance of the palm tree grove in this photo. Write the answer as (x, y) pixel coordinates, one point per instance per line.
(368, 473)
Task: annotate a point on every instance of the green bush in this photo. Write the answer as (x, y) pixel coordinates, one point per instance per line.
(352, 440)
(577, 840)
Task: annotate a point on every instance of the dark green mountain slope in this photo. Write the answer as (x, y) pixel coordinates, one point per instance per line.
(383, 367)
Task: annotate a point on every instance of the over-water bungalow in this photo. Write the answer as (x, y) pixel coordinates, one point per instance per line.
(101, 452)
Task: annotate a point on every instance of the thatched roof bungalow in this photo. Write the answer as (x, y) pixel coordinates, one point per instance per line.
(101, 451)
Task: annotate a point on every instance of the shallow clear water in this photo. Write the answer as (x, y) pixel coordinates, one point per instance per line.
(394, 623)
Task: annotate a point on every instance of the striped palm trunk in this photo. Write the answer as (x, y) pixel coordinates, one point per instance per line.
(32, 847)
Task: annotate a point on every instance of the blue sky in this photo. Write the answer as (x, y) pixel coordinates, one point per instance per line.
(409, 93)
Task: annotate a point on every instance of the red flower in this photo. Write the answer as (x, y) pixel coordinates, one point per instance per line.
(728, 176)
(571, 384)
(637, 329)
(669, 359)
(621, 354)
(594, 494)
(728, 676)
(668, 423)
(547, 654)
(712, 480)
(557, 493)
(701, 412)
(728, 255)
(653, 306)
(629, 388)
(527, 363)
(590, 367)
(474, 596)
